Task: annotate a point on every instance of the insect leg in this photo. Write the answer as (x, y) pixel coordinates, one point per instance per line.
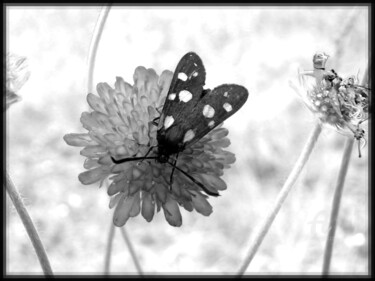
(130, 159)
(158, 110)
(154, 121)
(196, 182)
(171, 178)
(145, 157)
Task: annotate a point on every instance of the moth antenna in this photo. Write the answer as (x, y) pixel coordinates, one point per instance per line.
(196, 182)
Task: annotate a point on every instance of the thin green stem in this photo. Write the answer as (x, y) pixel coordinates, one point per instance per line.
(29, 226)
(94, 45)
(131, 249)
(261, 233)
(337, 196)
(336, 204)
(108, 251)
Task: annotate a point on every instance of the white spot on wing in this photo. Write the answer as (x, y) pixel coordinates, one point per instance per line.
(225, 94)
(211, 123)
(189, 135)
(208, 111)
(185, 96)
(182, 76)
(227, 107)
(195, 74)
(168, 121)
(172, 96)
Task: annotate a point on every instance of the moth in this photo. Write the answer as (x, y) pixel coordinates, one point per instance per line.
(190, 112)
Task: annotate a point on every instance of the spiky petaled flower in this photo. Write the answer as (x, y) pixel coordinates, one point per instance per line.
(338, 102)
(17, 73)
(121, 126)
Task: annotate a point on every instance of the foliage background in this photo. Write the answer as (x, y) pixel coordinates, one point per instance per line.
(260, 48)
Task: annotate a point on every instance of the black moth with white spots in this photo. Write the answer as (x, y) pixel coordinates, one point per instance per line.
(190, 112)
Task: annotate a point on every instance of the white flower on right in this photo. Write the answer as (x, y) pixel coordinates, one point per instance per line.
(338, 102)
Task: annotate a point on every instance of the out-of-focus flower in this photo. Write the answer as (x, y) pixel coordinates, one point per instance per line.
(121, 126)
(17, 73)
(338, 102)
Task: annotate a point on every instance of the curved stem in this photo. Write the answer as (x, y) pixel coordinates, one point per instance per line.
(261, 233)
(131, 249)
(108, 252)
(29, 226)
(94, 45)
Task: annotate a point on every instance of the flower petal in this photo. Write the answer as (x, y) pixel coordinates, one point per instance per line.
(201, 204)
(114, 200)
(172, 212)
(118, 186)
(148, 206)
(94, 151)
(136, 208)
(213, 181)
(161, 192)
(164, 82)
(188, 205)
(90, 163)
(96, 103)
(122, 87)
(104, 92)
(122, 211)
(93, 175)
(224, 142)
(78, 139)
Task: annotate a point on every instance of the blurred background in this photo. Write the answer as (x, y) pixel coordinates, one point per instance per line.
(260, 48)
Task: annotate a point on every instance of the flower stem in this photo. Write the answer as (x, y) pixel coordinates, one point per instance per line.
(94, 45)
(336, 204)
(131, 249)
(337, 196)
(29, 226)
(111, 235)
(261, 233)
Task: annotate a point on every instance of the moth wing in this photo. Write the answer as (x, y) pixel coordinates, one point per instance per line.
(214, 108)
(186, 87)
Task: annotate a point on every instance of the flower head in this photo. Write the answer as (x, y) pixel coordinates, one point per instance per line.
(17, 73)
(121, 125)
(338, 102)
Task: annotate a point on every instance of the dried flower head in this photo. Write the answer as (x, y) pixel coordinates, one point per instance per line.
(17, 73)
(121, 126)
(338, 102)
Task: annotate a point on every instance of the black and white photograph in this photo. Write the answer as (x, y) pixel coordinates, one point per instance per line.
(186, 140)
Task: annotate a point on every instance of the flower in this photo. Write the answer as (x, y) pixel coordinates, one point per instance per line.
(17, 73)
(121, 126)
(338, 102)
